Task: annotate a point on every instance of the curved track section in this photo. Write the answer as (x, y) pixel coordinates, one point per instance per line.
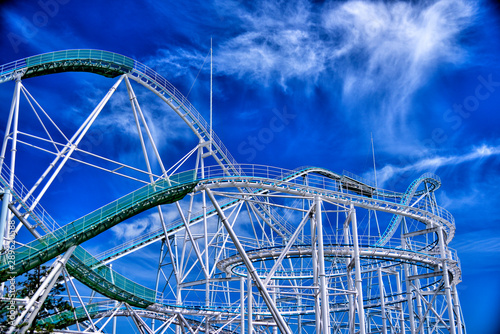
(431, 182)
(105, 309)
(53, 244)
(111, 64)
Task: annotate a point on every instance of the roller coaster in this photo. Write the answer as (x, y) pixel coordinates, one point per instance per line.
(240, 248)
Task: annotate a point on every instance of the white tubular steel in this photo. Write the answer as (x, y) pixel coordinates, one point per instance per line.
(273, 250)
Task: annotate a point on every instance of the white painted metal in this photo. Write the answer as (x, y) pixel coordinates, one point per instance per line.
(321, 277)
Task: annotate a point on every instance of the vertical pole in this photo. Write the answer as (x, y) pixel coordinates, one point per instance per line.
(409, 296)
(13, 107)
(400, 293)
(178, 327)
(457, 309)
(205, 236)
(4, 214)
(116, 302)
(207, 263)
(299, 303)
(409, 292)
(211, 73)
(359, 289)
(14, 135)
(275, 328)
(314, 255)
(250, 301)
(325, 310)
(382, 301)
(12, 122)
(419, 301)
(447, 287)
(350, 284)
(374, 166)
(242, 305)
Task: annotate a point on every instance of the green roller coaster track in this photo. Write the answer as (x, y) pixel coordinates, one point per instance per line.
(81, 263)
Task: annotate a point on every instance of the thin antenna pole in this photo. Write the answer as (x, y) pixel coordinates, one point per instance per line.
(211, 72)
(374, 166)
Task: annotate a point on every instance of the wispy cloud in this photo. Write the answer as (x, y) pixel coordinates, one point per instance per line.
(34, 30)
(128, 231)
(366, 43)
(389, 50)
(280, 41)
(374, 55)
(176, 62)
(485, 243)
(431, 164)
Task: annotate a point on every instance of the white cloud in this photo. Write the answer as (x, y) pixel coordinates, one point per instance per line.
(136, 228)
(484, 244)
(376, 54)
(172, 62)
(431, 164)
(391, 49)
(363, 41)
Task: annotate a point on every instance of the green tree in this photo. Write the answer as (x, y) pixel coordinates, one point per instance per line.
(27, 287)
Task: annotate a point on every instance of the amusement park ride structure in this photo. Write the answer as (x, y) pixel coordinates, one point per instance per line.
(243, 248)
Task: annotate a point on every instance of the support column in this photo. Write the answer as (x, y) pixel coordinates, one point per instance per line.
(11, 122)
(242, 305)
(409, 297)
(350, 283)
(382, 301)
(314, 258)
(207, 262)
(4, 214)
(357, 264)
(409, 288)
(400, 293)
(250, 306)
(457, 309)
(116, 302)
(178, 328)
(419, 301)
(274, 291)
(14, 108)
(325, 310)
(13, 150)
(447, 286)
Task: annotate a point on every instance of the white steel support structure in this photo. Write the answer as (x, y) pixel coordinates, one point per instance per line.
(236, 253)
(11, 130)
(356, 259)
(447, 286)
(322, 285)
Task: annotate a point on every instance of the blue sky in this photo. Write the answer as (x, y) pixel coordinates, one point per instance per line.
(304, 83)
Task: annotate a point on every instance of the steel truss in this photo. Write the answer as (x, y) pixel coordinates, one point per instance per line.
(242, 248)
